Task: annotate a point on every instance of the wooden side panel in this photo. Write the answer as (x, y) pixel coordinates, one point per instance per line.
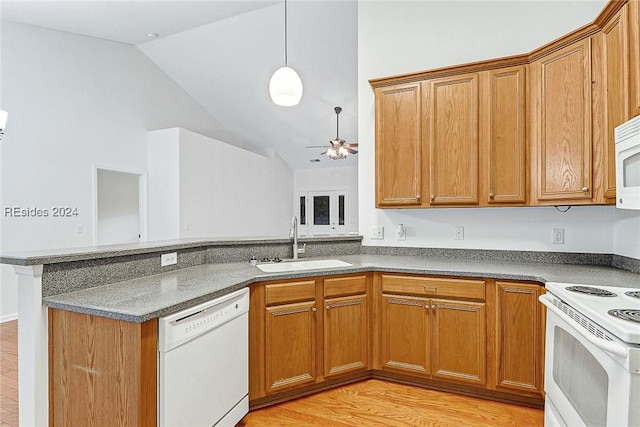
(346, 335)
(405, 338)
(564, 148)
(459, 341)
(504, 136)
(103, 371)
(398, 139)
(634, 57)
(451, 131)
(290, 343)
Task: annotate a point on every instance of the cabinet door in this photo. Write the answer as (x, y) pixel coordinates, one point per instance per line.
(405, 339)
(398, 137)
(503, 134)
(520, 337)
(290, 336)
(611, 98)
(451, 138)
(459, 350)
(634, 57)
(561, 141)
(346, 335)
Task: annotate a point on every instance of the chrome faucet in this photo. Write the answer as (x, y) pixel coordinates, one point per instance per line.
(294, 234)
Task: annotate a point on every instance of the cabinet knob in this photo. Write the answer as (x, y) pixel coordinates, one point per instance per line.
(328, 307)
(492, 195)
(418, 197)
(313, 309)
(585, 189)
(433, 197)
(426, 306)
(433, 307)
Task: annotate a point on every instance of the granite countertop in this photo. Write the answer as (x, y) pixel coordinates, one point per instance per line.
(159, 295)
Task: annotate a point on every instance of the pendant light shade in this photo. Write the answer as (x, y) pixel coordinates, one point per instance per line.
(285, 86)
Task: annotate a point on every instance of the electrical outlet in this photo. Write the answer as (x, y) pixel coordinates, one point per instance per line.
(558, 236)
(168, 259)
(376, 232)
(458, 232)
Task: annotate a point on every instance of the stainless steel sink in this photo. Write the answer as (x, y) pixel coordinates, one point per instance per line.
(302, 265)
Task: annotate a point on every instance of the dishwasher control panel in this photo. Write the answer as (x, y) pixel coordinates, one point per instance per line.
(185, 325)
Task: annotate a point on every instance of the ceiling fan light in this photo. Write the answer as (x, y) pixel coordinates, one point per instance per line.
(285, 87)
(342, 152)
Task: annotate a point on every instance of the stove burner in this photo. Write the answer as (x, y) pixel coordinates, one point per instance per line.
(633, 294)
(626, 314)
(597, 292)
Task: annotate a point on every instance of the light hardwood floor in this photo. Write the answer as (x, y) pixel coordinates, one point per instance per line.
(9, 374)
(367, 403)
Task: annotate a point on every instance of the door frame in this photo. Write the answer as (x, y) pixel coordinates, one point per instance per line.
(142, 200)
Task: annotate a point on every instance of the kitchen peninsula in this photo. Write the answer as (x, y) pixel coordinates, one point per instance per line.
(126, 282)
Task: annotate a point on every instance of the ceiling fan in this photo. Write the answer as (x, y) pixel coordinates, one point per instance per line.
(338, 149)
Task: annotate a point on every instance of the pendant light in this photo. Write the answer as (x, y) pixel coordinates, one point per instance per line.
(285, 86)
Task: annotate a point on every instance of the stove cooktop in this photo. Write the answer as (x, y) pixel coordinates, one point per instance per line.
(616, 309)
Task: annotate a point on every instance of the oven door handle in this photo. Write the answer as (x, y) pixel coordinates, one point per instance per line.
(611, 347)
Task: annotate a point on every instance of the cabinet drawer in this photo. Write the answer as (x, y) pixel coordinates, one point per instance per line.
(279, 293)
(353, 285)
(432, 286)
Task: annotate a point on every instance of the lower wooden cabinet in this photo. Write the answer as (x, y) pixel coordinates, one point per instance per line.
(432, 337)
(520, 337)
(305, 332)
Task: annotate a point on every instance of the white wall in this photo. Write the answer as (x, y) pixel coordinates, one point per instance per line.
(75, 103)
(339, 178)
(202, 187)
(402, 37)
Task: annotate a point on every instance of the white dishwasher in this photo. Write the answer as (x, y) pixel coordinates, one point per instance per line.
(203, 364)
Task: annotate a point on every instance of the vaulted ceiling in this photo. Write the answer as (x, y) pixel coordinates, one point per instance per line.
(223, 54)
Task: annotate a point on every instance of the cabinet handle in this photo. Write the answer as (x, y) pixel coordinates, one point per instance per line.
(433, 197)
(428, 288)
(585, 189)
(492, 195)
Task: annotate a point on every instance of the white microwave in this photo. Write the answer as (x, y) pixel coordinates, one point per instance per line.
(628, 164)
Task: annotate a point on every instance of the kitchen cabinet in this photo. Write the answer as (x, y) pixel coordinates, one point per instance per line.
(433, 327)
(398, 139)
(519, 337)
(503, 136)
(560, 90)
(610, 98)
(290, 334)
(346, 325)
(306, 332)
(451, 139)
(634, 57)
(101, 371)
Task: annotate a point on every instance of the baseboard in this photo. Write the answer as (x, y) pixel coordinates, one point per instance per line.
(8, 317)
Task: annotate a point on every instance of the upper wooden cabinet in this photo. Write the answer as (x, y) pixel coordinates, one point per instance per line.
(534, 129)
(398, 138)
(503, 136)
(450, 140)
(561, 149)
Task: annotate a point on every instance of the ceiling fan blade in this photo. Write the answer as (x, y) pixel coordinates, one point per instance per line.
(323, 153)
(351, 151)
(355, 144)
(315, 146)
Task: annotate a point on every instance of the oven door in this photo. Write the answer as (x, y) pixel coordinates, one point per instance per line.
(585, 383)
